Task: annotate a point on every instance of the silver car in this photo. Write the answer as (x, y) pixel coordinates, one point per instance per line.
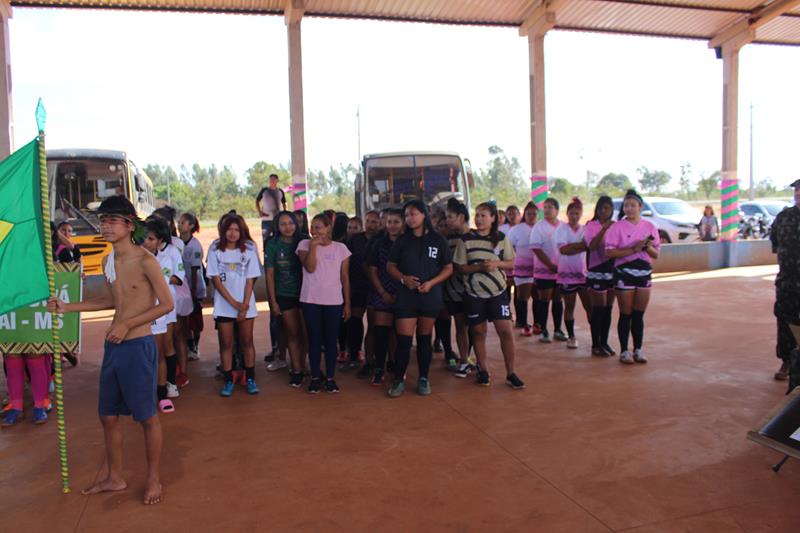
(675, 219)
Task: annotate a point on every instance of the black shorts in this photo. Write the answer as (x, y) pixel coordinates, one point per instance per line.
(787, 306)
(567, 289)
(416, 312)
(479, 310)
(544, 284)
(226, 320)
(454, 308)
(358, 299)
(601, 277)
(287, 303)
(634, 275)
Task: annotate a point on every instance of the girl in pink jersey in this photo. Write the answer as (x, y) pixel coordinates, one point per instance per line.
(633, 243)
(519, 237)
(545, 271)
(571, 275)
(600, 275)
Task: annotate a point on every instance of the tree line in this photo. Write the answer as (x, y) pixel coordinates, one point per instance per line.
(211, 191)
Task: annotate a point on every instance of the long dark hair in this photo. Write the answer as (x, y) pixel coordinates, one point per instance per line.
(630, 193)
(276, 232)
(530, 205)
(457, 207)
(302, 219)
(420, 206)
(168, 213)
(192, 220)
(159, 227)
(494, 234)
(602, 202)
(244, 232)
(339, 232)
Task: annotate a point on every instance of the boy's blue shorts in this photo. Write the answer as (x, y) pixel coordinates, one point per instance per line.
(128, 379)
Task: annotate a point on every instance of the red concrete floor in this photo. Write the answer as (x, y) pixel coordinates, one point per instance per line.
(590, 445)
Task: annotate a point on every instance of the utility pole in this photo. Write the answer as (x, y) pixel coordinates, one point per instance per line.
(752, 192)
(358, 120)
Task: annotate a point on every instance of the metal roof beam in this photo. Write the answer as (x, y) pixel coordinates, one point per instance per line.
(542, 17)
(743, 31)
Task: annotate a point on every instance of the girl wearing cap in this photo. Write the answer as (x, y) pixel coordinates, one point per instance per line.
(633, 243)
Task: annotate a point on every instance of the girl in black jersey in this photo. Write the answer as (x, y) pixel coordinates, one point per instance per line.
(420, 261)
(458, 225)
(358, 244)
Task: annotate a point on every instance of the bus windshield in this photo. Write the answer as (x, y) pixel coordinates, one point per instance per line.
(77, 186)
(392, 181)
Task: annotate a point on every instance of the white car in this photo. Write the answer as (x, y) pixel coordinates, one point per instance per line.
(675, 219)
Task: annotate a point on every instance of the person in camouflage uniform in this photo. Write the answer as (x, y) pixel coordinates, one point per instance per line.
(785, 237)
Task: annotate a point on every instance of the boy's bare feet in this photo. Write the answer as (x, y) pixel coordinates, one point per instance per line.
(107, 485)
(152, 493)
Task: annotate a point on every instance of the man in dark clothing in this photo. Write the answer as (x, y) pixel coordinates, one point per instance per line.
(274, 201)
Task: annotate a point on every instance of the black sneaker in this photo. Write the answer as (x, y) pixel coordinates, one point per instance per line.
(315, 386)
(437, 346)
(331, 387)
(513, 381)
(483, 378)
(377, 379)
(270, 357)
(296, 379)
(390, 367)
(365, 371)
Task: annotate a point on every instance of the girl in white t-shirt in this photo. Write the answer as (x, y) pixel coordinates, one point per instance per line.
(157, 242)
(233, 267)
(192, 324)
(545, 271)
(519, 237)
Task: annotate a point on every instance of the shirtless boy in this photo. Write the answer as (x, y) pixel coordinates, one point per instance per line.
(138, 293)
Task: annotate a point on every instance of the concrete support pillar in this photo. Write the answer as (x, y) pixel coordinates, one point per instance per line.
(294, 15)
(538, 129)
(6, 116)
(729, 185)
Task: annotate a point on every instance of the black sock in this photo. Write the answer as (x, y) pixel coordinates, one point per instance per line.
(637, 329)
(605, 328)
(343, 337)
(471, 341)
(558, 314)
(444, 332)
(228, 374)
(543, 306)
(250, 372)
(624, 330)
(381, 337)
(402, 355)
(570, 328)
(522, 312)
(161, 392)
(172, 368)
(594, 325)
(355, 336)
(424, 354)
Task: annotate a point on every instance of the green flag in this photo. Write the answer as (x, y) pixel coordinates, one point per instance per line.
(23, 270)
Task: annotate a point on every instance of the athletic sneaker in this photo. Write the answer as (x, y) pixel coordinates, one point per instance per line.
(194, 355)
(315, 386)
(12, 417)
(365, 371)
(227, 389)
(536, 329)
(452, 364)
(638, 356)
(377, 378)
(342, 358)
(483, 378)
(626, 358)
(296, 379)
(463, 370)
(559, 335)
(545, 338)
(437, 346)
(397, 389)
(39, 415)
(513, 381)
(572, 343)
(271, 356)
(252, 388)
(331, 387)
(276, 365)
(423, 387)
(608, 349)
(181, 380)
(172, 390)
(527, 331)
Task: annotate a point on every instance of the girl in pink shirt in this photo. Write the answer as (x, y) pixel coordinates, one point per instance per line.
(633, 243)
(519, 237)
(600, 275)
(571, 276)
(324, 297)
(545, 271)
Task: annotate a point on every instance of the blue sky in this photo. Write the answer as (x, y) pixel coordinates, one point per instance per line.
(182, 88)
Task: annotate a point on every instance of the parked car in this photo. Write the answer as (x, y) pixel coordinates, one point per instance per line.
(768, 209)
(675, 219)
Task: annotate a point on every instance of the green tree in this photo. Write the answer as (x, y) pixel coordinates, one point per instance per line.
(614, 184)
(501, 180)
(560, 187)
(707, 185)
(653, 180)
(685, 181)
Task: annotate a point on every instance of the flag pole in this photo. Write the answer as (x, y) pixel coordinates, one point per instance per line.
(41, 118)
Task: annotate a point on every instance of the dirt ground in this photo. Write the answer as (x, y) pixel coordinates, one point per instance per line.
(590, 445)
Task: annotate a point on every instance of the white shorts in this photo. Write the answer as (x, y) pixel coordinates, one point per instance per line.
(522, 281)
(159, 325)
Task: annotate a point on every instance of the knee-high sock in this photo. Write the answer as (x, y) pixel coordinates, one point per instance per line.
(595, 321)
(444, 332)
(424, 354)
(172, 368)
(570, 328)
(381, 346)
(522, 312)
(558, 314)
(637, 329)
(40, 379)
(605, 327)
(543, 309)
(355, 336)
(624, 330)
(343, 337)
(402, 355)
(15, 380)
